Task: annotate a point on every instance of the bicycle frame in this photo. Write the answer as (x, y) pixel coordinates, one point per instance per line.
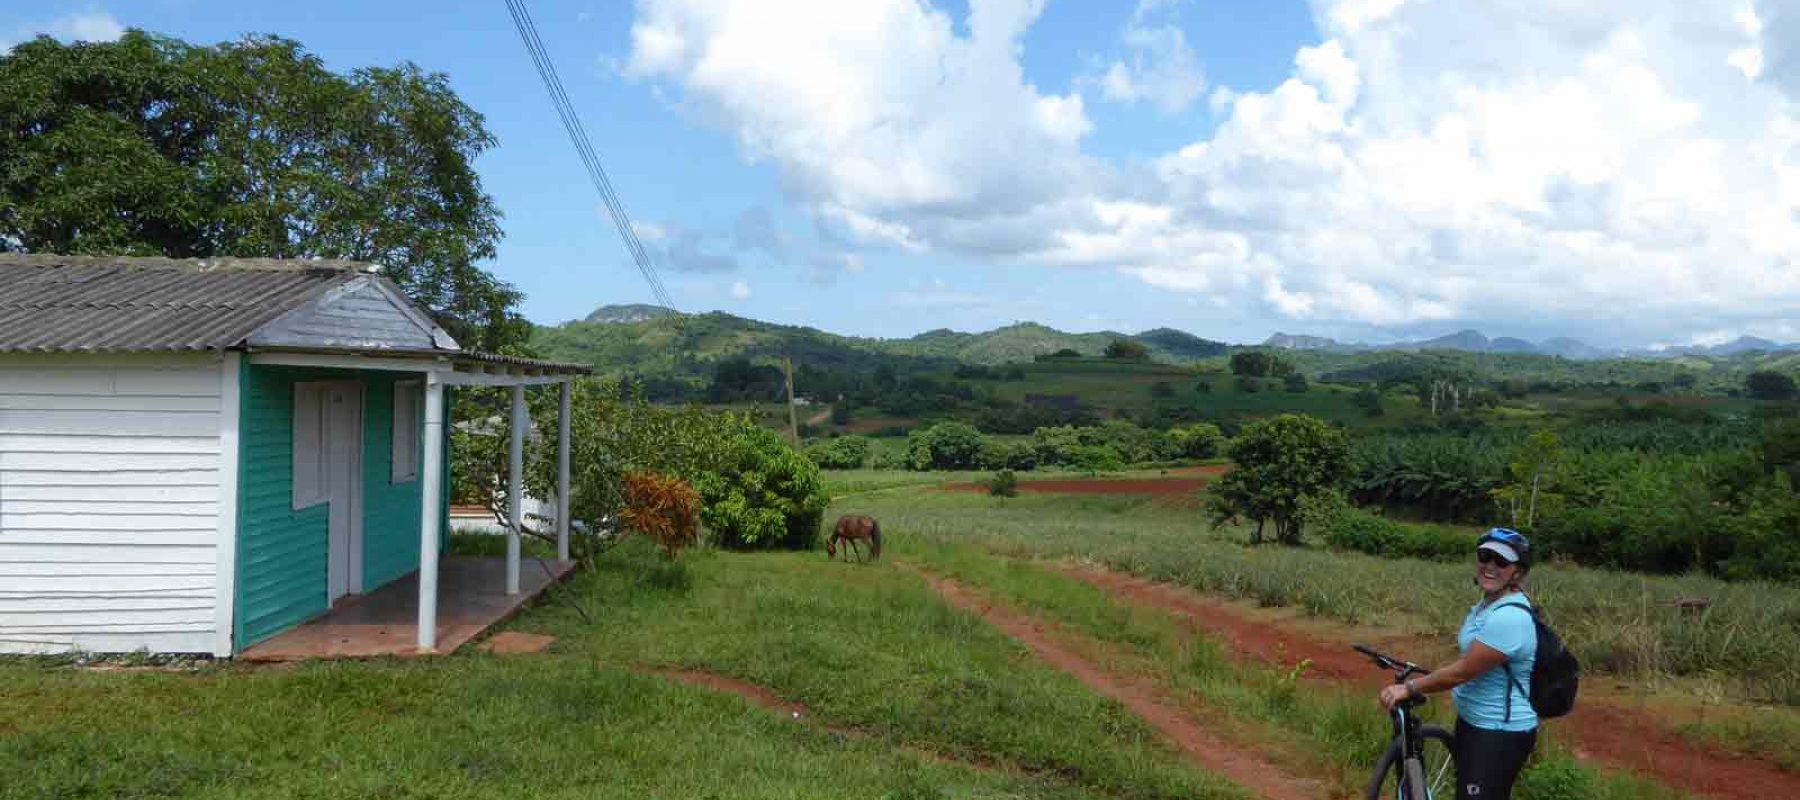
(1407, 725)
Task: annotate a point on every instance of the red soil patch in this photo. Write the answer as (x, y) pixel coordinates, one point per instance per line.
(1141, 696)
(1156, 487)
(1607, 734)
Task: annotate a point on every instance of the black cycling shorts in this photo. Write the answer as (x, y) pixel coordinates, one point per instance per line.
(1488, 761)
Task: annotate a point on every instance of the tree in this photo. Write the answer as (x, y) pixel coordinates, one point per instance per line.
(764, 494)
(946, 445)
(1769, 385)
(1260, 364)
(1278, 463)
(1127, 350)
(152, 146)
(1536, 467)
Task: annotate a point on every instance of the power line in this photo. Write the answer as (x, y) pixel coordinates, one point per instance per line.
(584, 148)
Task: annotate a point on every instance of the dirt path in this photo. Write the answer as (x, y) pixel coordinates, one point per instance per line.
(1142, 697)
(1609, 735)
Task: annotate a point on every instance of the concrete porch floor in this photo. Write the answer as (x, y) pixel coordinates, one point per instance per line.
(471, 597)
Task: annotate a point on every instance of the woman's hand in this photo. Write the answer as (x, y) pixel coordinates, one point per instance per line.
(1393, 694)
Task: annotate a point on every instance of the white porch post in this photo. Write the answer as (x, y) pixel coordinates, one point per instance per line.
(562, 474)
(430, 520)
(516, 488)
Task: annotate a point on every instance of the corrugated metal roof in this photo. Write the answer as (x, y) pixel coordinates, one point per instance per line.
(60, 304)
(558, 367)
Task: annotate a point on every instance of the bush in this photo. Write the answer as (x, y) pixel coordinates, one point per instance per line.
(843, 452)
(1203, 387)
(1162, 389)
(1247, 385)
(764, 494)
(946, 445)
(1127, 350)
(1003, 484)
(1295, 383)
(1365, 532)
(663, 509)
(1092, 458)
(1199, 440)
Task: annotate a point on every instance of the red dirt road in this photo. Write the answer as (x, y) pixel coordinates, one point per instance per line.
(1606, 734)
(1241, 766)
(1180, 481)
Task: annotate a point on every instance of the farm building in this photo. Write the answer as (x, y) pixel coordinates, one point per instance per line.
(214, 456)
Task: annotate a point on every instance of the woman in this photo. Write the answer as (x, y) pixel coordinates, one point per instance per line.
(1496, 728)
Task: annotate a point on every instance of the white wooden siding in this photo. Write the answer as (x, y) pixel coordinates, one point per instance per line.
(109, 503)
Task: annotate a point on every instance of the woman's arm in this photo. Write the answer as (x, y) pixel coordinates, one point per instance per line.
(1470, 666)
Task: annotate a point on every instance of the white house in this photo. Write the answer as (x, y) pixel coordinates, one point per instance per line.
(197, 455)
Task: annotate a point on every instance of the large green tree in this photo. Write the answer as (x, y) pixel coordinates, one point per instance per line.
(152, 146)
(1279, 463)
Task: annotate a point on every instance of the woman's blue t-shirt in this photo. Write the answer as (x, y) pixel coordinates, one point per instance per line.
(1503, 626)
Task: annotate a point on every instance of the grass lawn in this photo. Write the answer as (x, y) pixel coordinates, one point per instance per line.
(937, 705)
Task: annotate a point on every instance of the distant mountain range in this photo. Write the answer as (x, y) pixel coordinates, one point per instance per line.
(629, 333)
(1476, 342)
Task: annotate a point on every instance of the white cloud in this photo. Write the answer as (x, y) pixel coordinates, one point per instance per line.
(1161, 68)
(91, 25)
(740, 290)
(1621, 168)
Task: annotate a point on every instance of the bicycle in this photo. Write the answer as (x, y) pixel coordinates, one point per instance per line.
(1424, 772)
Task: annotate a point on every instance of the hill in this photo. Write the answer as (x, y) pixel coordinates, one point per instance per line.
(640, 339)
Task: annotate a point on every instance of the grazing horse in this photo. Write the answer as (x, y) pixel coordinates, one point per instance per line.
(850, 528)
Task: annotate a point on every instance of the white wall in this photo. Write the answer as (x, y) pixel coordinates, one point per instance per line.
(109, 502)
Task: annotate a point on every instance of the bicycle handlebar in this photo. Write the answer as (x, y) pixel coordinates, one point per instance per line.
(1386, 661)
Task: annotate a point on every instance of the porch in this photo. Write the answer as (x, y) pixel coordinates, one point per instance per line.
(471, 598)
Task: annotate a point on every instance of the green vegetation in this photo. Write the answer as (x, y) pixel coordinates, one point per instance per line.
(149, 145)
(1281, 463)
(1618, 623)
(920, 700)
(1329, 729)
(762, 493)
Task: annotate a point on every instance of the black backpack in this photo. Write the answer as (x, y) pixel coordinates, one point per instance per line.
(1555, 676)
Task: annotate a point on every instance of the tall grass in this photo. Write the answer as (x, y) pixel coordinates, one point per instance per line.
(1619, 623)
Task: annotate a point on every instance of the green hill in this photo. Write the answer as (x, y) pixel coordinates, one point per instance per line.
(648, 340)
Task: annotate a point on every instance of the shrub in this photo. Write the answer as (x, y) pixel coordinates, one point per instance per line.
(1003, 484)
(1295, 383)
(1247, 385)
(843, 452)
(1092, 458)
(663, 509)
(946, 445)
(1162, 389)
(1199, 440)
(1203, 387)
(764, 494)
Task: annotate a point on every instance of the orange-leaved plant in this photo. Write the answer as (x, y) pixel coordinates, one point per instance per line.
(664, 508)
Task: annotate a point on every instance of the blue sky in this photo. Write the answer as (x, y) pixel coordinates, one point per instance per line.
(1370, 169)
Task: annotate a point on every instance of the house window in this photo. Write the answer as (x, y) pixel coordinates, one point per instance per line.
(409, 397)
(310, 485)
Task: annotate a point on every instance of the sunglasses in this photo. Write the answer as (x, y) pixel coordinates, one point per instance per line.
(1491, 557)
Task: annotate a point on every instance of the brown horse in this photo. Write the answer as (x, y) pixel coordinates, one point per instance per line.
(851, 528)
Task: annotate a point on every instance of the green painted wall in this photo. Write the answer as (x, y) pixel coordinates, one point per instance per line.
(281, 552)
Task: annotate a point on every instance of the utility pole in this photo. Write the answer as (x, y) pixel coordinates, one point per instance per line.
(793, 420)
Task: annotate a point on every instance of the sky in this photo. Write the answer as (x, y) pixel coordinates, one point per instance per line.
(1626, 172)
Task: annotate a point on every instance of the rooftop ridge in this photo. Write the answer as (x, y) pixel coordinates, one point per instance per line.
(186, 264)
